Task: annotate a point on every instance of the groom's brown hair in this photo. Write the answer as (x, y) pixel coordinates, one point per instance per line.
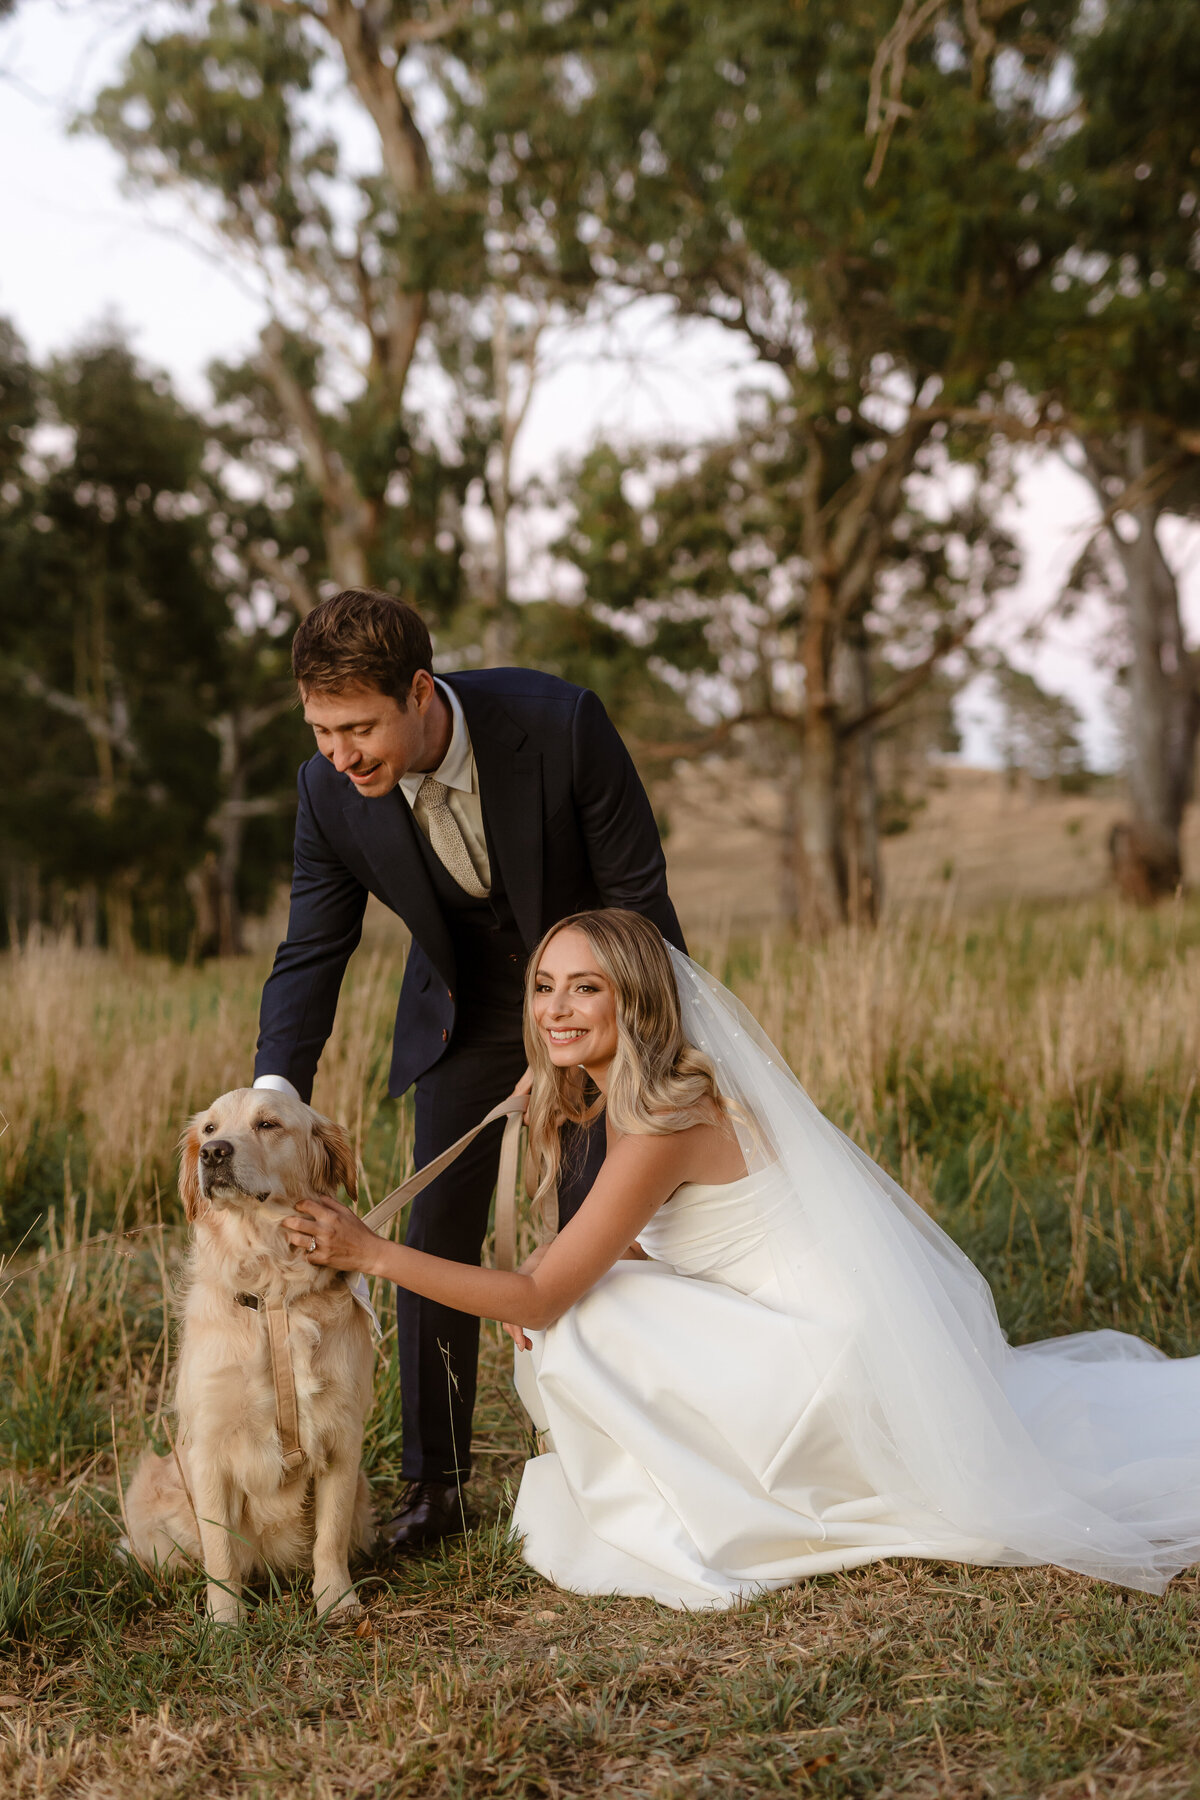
(361, 638)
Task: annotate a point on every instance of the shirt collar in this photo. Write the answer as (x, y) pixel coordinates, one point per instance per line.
(454, 769)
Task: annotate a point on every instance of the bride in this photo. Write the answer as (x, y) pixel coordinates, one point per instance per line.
(751, 1356)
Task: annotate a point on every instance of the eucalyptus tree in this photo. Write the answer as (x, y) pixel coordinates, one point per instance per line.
(1122, 355)
(256, 111)
(1110, 344)
(119, 655)
(717, 158)
(695, 556)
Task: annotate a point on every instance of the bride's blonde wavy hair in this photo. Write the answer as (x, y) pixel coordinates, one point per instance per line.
(658, 1082)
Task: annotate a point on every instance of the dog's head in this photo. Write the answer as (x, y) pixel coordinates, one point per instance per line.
(252, 1146)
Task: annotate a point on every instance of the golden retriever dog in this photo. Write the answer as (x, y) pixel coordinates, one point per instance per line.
(223, 1497)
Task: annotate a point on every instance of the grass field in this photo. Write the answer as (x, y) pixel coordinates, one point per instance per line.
(1029, 1075)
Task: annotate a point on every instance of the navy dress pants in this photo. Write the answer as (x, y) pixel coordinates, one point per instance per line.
(438, 1348)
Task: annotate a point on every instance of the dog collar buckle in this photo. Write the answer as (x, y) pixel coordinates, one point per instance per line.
(250, 1300)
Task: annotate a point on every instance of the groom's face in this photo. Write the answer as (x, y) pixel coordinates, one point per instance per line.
(369, 736)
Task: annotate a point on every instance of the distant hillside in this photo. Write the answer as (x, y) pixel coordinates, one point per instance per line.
(974, 842)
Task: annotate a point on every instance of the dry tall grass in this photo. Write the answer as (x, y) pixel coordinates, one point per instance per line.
(1076, 1031)
(102, 1060)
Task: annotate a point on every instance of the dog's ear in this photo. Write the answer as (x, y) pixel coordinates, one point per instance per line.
(333, 1164)
(194, 1202)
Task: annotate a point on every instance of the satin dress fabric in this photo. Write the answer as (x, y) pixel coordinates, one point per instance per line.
(698, 1414)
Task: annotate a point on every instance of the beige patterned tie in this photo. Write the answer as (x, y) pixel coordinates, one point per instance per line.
(446, 838)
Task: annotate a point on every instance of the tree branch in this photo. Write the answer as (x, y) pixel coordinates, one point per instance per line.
(93, 721)
(348, 516)
(714, 739)
(287, 573)
(909, 683)
(427, 31)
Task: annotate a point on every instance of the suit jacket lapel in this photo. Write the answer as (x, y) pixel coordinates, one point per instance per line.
(388, 836)
(510, 794)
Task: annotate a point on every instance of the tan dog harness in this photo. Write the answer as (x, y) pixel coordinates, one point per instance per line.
(512, 1111)
(287, 1413)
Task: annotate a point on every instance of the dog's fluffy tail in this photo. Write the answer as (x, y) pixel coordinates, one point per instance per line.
(163, 1534)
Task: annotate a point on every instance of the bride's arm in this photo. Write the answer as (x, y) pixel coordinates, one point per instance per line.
(639, 1173)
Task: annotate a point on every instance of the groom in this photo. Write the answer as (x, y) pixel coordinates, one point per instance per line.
(481, 807)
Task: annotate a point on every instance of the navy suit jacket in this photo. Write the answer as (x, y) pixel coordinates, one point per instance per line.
(567, 824)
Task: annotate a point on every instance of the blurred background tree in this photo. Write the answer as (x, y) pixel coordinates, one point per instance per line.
(1040, 731)
(1109, 343)
(694, 558)
(1124, 360)
(719, 162)
(121, 667)
(238, 106)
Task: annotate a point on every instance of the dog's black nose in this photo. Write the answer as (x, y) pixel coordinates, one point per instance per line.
(215, 1150)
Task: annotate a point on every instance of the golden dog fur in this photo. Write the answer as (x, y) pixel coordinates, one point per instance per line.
(223, 1499)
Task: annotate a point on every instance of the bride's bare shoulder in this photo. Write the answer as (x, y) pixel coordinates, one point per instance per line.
(707, 1151)
(714, 1151)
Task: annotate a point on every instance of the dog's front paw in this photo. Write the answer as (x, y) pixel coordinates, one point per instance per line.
(336, 1600)
(225, 1609)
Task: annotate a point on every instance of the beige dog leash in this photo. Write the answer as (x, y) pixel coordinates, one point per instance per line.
(512, 1111)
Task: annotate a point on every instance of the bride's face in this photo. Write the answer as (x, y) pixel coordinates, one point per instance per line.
(574, 1007)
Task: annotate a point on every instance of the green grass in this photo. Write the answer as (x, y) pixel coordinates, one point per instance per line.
(1028, 1078)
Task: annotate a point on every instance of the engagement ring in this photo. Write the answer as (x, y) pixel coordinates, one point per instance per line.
(312, 1244)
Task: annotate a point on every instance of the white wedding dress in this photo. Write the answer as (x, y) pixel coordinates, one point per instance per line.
(809, 1375)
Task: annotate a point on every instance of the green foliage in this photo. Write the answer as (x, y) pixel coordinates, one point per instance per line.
(111, 623)
(722, 161)
(217, 107)
(693, 559)
(1122, 285)
(18, 400)
(346, 483)
(120, 650)
(724, 164)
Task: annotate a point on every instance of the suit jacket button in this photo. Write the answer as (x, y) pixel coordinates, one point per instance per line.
(445, 1034)
(449, 993)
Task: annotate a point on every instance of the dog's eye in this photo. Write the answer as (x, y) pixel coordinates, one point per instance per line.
(207, 1128)
(267, 1125)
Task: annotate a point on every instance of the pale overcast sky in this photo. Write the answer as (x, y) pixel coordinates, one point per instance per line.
(76, 249)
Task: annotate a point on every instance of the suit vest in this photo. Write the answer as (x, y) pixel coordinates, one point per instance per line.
(489, 951)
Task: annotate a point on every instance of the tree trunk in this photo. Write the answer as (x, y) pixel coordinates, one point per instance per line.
(864, 873)
(819, 813)
(201, 885)
(230, 826)
(118, 915)
(501, 633)
(818, 796)
(1164, 703)
(791, 873)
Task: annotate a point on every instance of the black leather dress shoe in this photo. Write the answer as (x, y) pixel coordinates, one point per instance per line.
(429, 1511)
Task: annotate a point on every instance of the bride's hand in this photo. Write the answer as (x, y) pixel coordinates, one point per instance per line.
(337, 1236)
(519, 1338)
(517, 1332)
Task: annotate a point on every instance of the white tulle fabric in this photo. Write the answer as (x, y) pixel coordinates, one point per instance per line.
(810, 1375)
